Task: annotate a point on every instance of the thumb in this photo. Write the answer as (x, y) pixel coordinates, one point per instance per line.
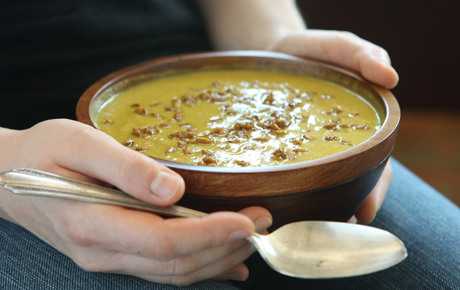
(343, 48)
(99, 156)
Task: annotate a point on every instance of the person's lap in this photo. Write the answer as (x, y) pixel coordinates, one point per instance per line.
(427, 223)
(422, 218)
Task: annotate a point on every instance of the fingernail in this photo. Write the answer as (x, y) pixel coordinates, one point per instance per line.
(240, 234)
(236, 277)
(164, 185)
(262, 223)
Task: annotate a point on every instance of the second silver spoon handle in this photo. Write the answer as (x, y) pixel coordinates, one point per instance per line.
(27, 181)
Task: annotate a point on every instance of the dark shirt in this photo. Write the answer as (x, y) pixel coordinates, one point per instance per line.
(51, 51)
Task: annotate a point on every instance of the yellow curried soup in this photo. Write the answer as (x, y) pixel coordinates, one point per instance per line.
(238, 118)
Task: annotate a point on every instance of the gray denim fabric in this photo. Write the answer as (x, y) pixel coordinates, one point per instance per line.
(428, 224)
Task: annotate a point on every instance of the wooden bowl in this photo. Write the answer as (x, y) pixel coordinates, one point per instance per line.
(329, 188)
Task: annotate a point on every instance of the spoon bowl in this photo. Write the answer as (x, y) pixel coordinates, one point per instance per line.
(307, 249)
(319, 249)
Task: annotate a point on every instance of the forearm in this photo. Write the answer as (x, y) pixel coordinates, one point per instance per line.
(250, 24)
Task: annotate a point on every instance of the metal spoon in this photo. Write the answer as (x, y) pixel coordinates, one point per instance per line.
(308, 249)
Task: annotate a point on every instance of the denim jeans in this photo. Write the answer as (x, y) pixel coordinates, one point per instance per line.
(428, 224)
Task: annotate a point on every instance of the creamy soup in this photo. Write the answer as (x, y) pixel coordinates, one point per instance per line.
(238, 118)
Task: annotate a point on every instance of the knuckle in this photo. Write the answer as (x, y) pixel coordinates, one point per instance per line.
(134, 173)
(126, 165)
(99, 262)
(82, 133)
(163, 249)
(183, 267)
(78, 139)
(76, 232)
(80, 237)
(89, 264)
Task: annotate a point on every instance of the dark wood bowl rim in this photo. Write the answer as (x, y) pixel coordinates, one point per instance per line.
(389, 125)
(303, 193)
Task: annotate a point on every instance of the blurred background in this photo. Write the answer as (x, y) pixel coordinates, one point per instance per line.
(422, 38)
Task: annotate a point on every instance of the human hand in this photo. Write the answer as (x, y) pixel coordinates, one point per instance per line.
(372, 61)
(343, 48)
(114, 239)
(278, 26)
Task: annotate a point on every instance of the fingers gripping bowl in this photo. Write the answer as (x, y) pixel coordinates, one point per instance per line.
(328, 188)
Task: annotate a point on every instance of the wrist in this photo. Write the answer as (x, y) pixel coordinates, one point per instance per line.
(250, 24)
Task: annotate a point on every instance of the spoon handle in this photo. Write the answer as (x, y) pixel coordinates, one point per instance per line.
(27, 181)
